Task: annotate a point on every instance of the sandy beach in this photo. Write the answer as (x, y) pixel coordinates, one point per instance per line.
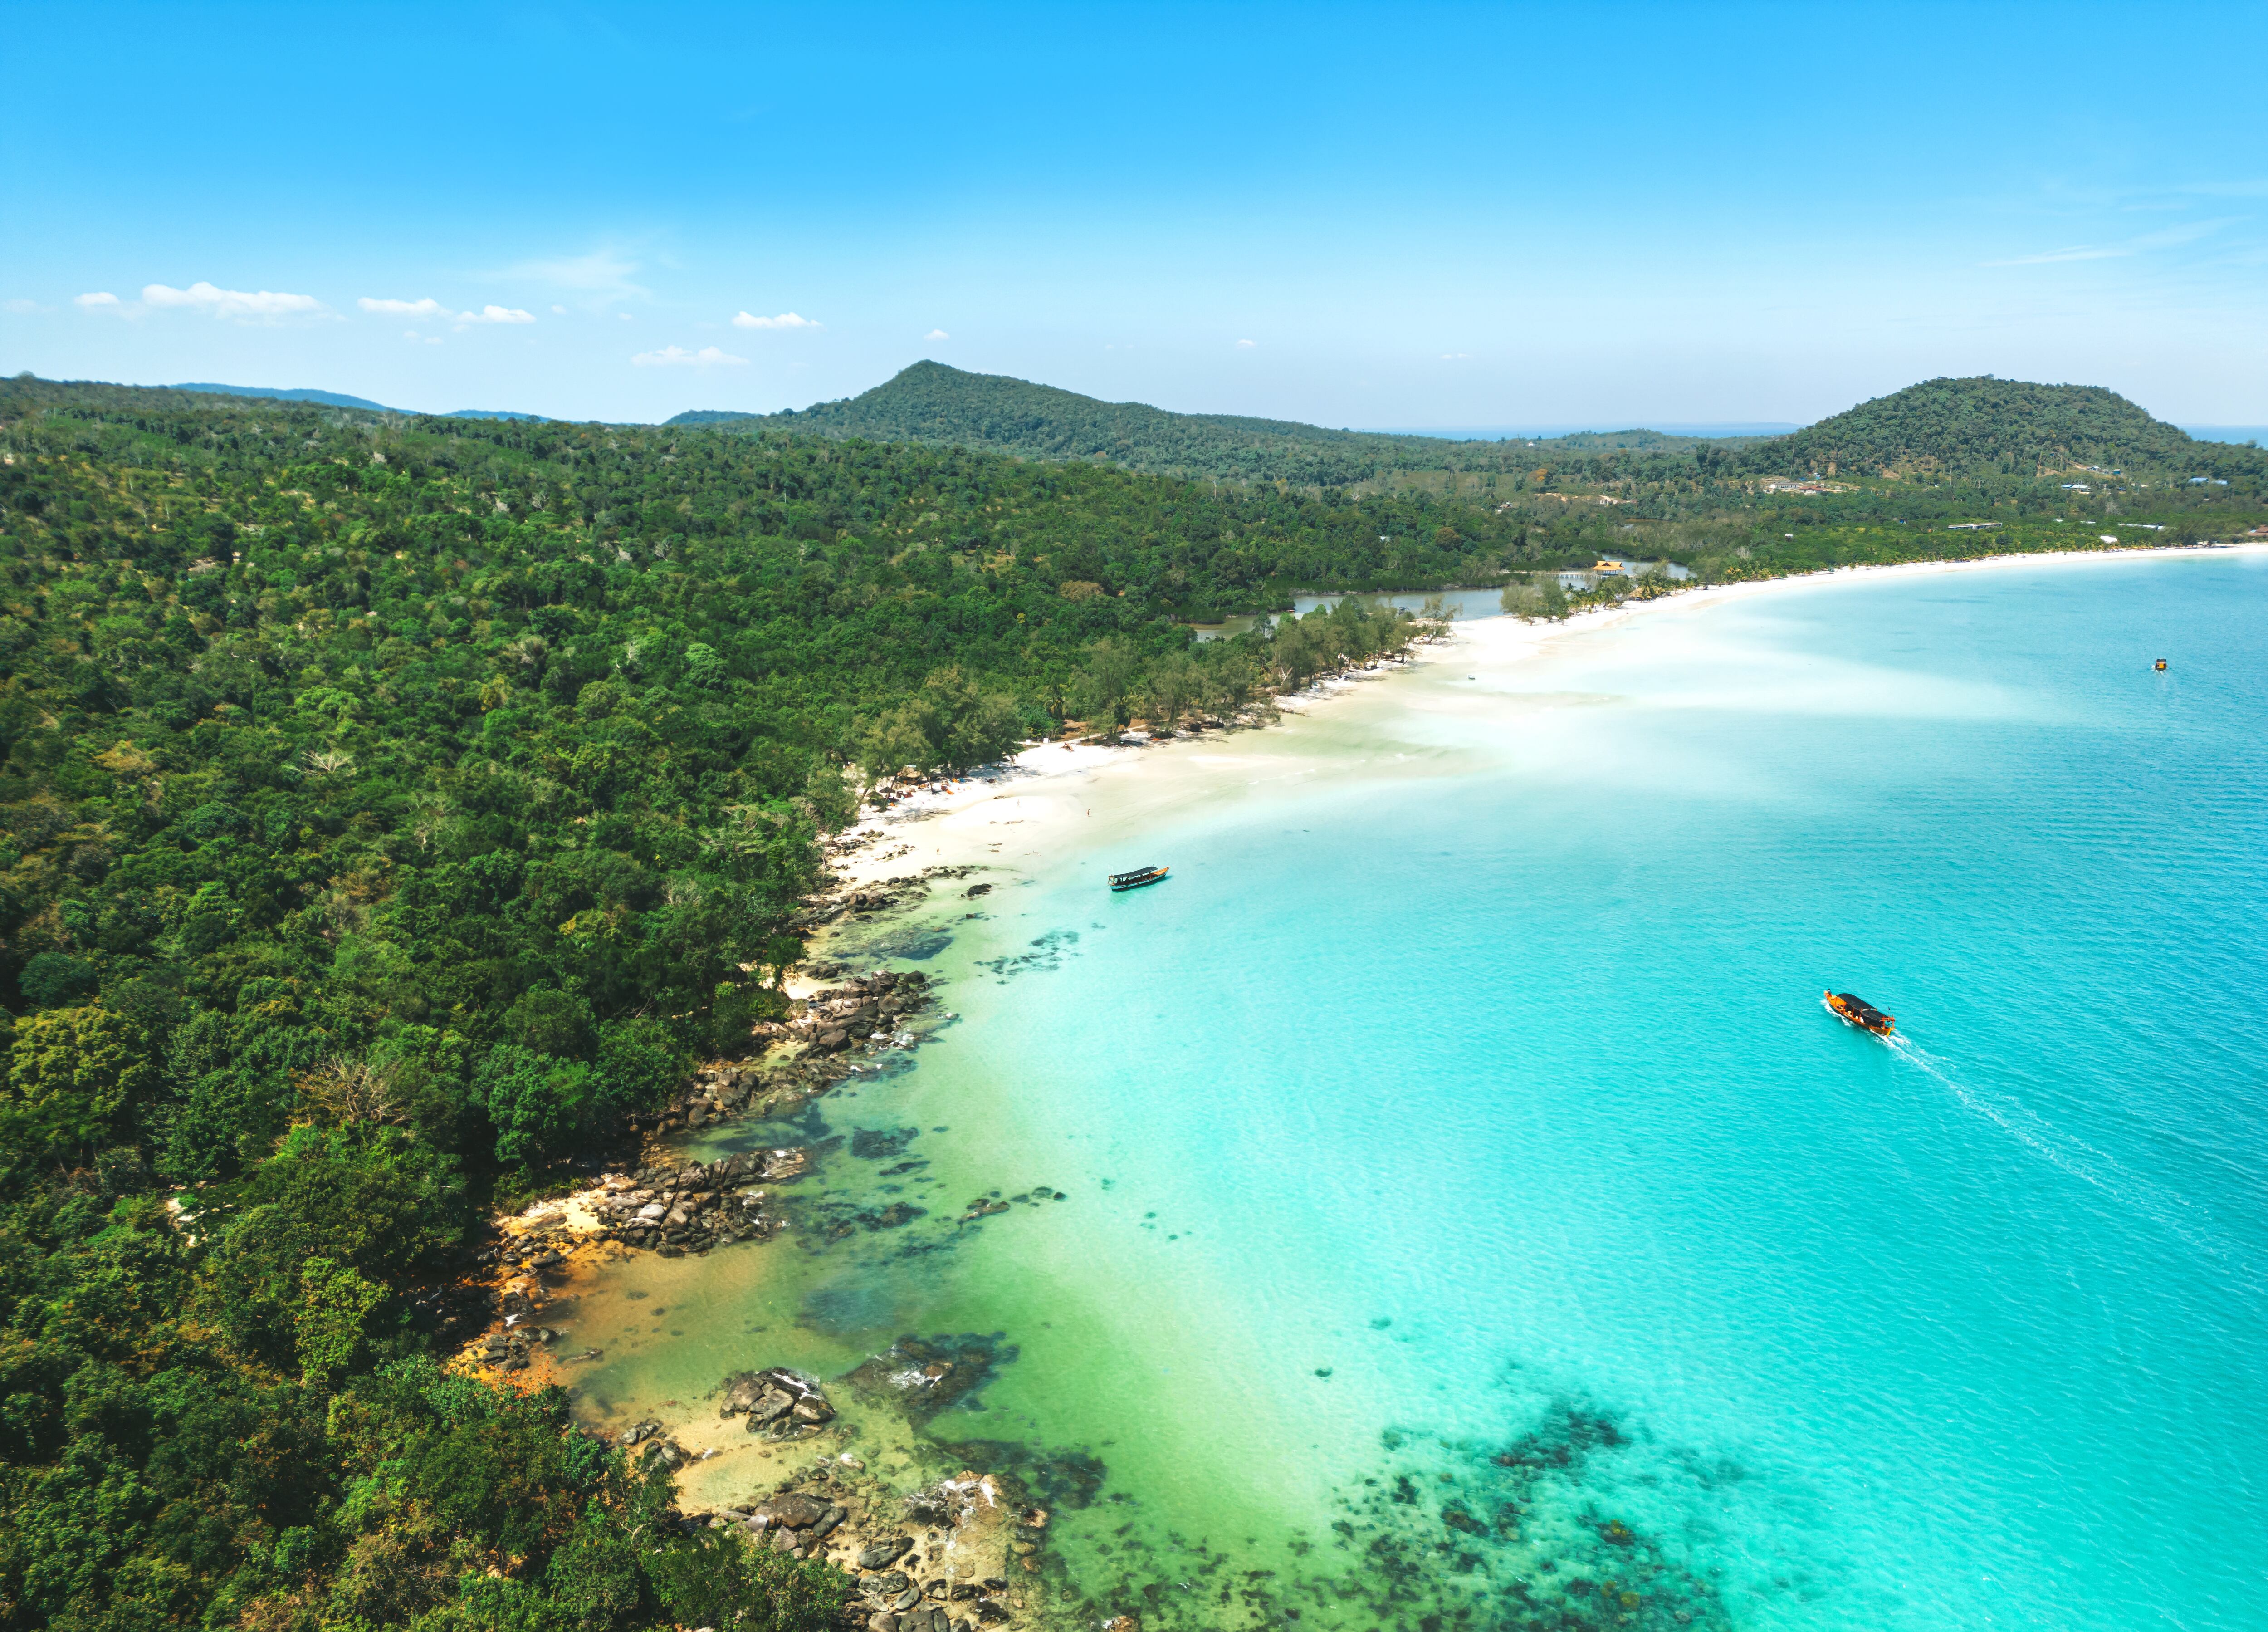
(1022, 1088)
(1025, 813)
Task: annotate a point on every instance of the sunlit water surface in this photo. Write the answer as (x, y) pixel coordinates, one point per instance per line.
(1482, 1097)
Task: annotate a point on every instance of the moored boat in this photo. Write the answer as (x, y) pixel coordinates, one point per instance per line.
(1853, 1011)
(1139, 877)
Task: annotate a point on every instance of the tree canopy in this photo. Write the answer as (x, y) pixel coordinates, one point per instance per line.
(389, 804)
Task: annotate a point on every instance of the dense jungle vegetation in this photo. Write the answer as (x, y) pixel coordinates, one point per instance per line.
(387, 804)
(1973, 427)
(1988, 427)
(935, 404)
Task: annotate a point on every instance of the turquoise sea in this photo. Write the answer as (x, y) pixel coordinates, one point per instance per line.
(1461, 1118)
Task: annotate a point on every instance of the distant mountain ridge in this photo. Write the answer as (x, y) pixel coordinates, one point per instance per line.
(936, 404)
(339, 399)
(1979, 425)
(297, 394)
(1974, 426)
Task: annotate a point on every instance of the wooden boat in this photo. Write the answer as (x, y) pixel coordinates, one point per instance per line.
(1139, 877)
(1853, 1011)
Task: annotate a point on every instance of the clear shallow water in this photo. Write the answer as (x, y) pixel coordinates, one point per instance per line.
(1494, 1083)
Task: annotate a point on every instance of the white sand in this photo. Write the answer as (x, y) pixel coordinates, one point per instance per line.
(1017, 817)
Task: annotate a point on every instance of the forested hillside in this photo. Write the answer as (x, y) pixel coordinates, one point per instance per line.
(1984, 426)
(933, 402)
(332, 399)
(389, 804)
(1977, 428)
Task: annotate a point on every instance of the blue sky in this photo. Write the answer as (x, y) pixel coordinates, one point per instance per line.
(1356, 215)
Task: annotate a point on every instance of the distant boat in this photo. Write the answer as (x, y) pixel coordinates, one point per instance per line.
(1853, 1011)
(1139, 877)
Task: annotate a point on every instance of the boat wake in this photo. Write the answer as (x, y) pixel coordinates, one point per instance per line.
(2143, 1198)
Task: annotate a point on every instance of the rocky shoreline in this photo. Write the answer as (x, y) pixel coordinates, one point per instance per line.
(936, 1559)
(959, 1541)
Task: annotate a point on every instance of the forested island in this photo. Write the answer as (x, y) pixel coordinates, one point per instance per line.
(392, 804)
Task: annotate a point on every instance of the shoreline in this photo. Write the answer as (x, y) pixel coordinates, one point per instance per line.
(1023, 817)
(1033, 787)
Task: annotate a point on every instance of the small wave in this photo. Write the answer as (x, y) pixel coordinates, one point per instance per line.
(2144, 1197)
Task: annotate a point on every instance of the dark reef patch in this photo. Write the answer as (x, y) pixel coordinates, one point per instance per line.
(922, 1377)
(1523, 1535)
(1048, 952)
(875, 1144)
(916, 943)
(1064, 1480)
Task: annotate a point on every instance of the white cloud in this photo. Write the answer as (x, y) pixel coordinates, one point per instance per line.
(785, 320)
(430, 308)
(1456, 356)
(411, 334)
(2228, 190)
(237, 303)
(559, 311)
(2171, 238)
(604, 275)
(100, 297)
(937, 333)
(1247, 345)
(678, 357)
(404, 308)
(2076, 252)
(19, 306)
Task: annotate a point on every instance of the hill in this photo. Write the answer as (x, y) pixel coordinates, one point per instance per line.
(340, 399)
(1984, 426)
(934, 404)
(297, 394)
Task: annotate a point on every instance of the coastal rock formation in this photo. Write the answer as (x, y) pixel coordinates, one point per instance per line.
(778, 1403)
(699, 1205)
(870, 1010)
(922, 1377)
(509, 1350)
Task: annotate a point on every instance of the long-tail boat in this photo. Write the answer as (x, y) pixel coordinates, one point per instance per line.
(1139, 877)
(1853, 1011)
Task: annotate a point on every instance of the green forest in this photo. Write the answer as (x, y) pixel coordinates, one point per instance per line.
(390, 804)
(933, 403)
(1974, 427)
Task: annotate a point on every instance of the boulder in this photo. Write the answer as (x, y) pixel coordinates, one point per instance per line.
(742, 1393)
(885, 1551)
(792, 1509)
(776, 1404)
(781, 1165)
